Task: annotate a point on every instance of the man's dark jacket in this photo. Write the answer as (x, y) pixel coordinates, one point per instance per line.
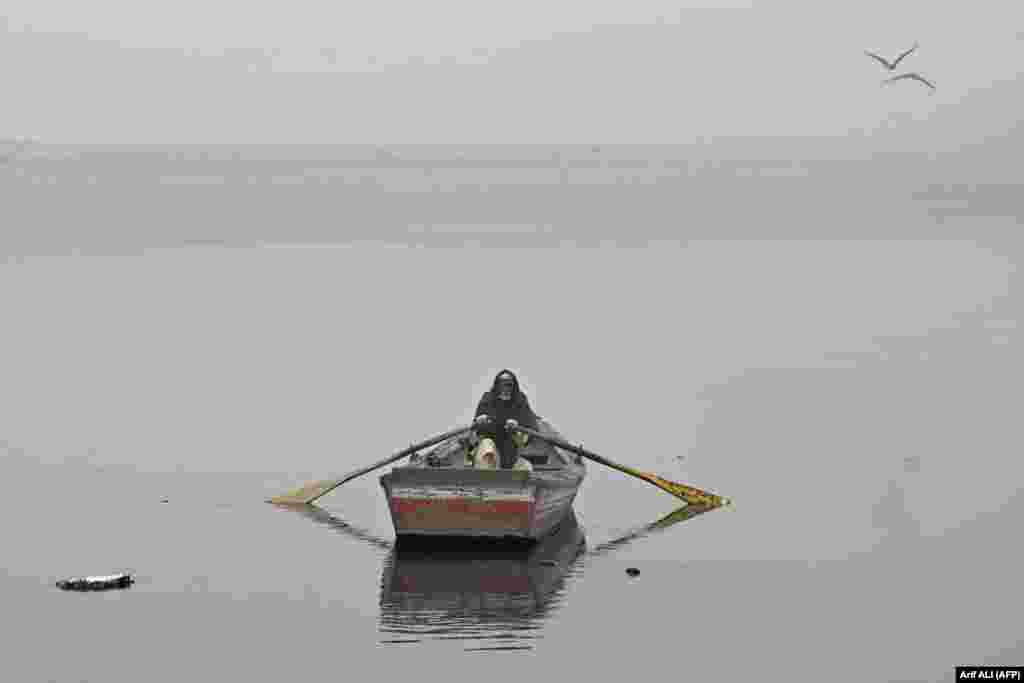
(516, 408)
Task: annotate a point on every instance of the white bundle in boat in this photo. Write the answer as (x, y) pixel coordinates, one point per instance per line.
(96, 583)
(486, 457)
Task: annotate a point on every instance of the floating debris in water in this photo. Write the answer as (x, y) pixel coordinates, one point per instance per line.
(633, 571)
(96, 583)
(549, 563)
(165, 501)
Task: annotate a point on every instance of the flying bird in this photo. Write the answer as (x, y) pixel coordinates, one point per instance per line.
(914, 76)
(886, 63)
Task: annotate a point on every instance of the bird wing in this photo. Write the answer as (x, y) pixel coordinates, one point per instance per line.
(883, 60)
(900, 58)
(912, 76)
(919, 77)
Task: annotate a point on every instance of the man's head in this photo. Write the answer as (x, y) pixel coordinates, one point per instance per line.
(506, 385)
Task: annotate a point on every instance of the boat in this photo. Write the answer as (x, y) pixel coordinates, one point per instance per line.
(439, 492)
(476, 588)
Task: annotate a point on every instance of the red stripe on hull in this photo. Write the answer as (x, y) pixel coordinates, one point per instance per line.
(461, 515)
(463, 506)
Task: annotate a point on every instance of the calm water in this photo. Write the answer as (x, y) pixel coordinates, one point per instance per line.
(856, 394)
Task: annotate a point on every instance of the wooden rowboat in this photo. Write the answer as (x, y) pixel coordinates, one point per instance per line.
(440, 492)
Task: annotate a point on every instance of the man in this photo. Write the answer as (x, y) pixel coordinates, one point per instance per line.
(502, 407)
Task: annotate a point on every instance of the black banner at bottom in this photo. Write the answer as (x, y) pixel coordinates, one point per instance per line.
(990, 673)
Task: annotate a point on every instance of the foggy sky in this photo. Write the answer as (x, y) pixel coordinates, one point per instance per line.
(461, 72)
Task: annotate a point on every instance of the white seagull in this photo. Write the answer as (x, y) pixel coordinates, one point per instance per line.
(914, 76)
(886, 63)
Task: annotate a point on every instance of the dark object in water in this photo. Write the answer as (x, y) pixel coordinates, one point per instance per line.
(96, 583)
(633, 571)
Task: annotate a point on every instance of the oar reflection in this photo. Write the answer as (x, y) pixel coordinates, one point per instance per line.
(682, 514)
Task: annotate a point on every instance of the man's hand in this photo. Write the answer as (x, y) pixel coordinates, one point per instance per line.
(481, 420)
(511, 424)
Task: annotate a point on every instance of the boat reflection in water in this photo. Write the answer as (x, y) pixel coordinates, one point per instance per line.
(493, 595)
(477, 590)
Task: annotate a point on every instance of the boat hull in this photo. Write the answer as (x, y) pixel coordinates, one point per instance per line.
(479, 503)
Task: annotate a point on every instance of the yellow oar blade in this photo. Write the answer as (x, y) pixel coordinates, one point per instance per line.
(306, 494)
(690, 494)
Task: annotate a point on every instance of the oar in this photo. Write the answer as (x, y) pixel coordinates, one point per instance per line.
(321, 516)
(691, 495)
(313, 490)
(675, 517)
